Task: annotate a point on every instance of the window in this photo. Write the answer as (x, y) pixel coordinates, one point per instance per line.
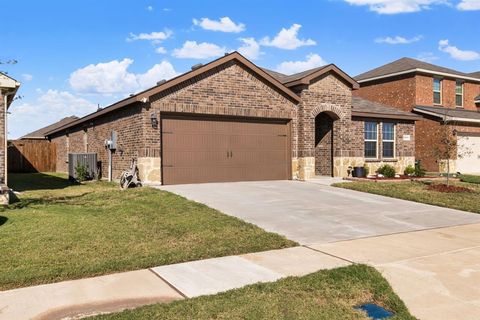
(388, 140)
(437, 91)
(459, 93)
(371, 139)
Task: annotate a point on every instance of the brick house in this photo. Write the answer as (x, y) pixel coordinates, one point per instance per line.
(230, 120)
(442, 96)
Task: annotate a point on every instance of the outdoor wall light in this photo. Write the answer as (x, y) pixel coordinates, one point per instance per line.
(154, 120)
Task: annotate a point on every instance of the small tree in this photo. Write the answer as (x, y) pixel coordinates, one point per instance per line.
(446, 148)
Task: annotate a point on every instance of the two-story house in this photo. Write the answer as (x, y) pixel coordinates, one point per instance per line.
(443, 97)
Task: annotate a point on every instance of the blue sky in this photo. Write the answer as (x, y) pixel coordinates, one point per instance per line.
(74, 55)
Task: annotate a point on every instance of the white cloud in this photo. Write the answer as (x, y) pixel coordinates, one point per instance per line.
(225, 24)
(396, 6)
(291, 67)
(113, 77)
(398, 40)
(427, 57)
(160, 71)
(194, 50)
(155, 37)
(49, 107)
(161, 50)
(150, 8)
(457, 54)
(27, 77)
(288, 39)
(250, 48)
(467, 5)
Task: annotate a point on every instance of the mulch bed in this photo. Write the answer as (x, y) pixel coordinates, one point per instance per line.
(450, 189)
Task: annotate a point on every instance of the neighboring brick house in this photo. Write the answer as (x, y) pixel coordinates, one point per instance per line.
(230, 120)
(441, 96)
(39, 134)
(8, 89)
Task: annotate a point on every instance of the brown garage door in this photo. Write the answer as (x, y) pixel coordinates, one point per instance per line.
(197, 150)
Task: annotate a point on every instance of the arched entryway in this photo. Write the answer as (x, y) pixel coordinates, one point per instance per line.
(324, 143)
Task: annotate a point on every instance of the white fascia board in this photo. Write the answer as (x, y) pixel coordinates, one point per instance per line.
(435, 73)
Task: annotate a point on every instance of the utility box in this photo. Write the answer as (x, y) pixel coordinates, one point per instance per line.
(88, 160)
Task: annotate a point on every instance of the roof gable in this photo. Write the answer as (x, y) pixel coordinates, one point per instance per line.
(308, 76)
(145, 95)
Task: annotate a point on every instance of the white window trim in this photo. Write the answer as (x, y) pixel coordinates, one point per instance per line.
(456, 94)
(441, 89)
(394, 141)
(370, 140)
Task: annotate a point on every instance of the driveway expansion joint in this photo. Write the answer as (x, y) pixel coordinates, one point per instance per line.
(329, 254)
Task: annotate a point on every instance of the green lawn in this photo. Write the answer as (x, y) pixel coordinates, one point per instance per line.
(60, 231)
(328, 295)
(417, 191)
(470, 178)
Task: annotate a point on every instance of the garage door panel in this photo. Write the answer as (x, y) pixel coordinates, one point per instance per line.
(202, 158)
(257, 142)
(468, 154)
(181, 141)
(196, 150)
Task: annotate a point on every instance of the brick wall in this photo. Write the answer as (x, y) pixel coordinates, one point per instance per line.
(424, 92)
(91, 137)
(398, 92)
(331, 95)
(403, 148)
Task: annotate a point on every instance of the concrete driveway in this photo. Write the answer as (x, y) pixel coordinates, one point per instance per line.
(312, 213)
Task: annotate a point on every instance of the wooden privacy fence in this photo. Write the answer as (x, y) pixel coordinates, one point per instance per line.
(31, 156)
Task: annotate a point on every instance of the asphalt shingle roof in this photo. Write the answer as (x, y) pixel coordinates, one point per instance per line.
(405, 64)
(283, 78)
(450, 112)
(475, 74)
(360, 105)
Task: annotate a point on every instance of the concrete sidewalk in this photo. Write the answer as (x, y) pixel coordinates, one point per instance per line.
(435, 272)
(162, 284)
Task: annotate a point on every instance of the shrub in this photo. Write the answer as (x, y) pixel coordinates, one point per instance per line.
(419, 171)
(81, 172)
(470, 178)
(387, 170)
(409, 170)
